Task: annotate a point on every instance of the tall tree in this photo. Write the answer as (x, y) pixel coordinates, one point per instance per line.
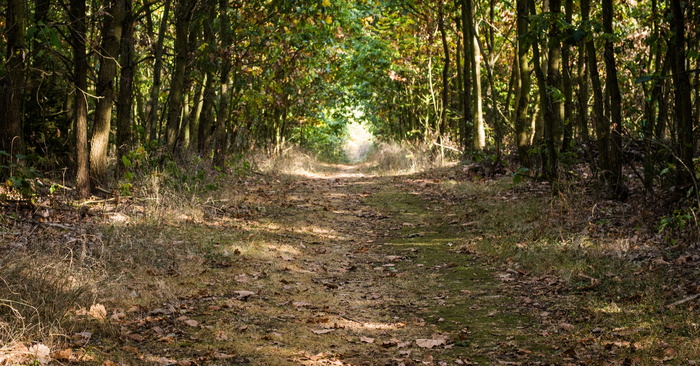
(78, 29)
(183, 19)
(153, 120)
(442, 125)
(125, 99)
(12, 79)
(554, 104)
(220, 138)
(682, 93)
(602, 127)
(468, 40)
(109, 52)
(522, 101)
(612, 88)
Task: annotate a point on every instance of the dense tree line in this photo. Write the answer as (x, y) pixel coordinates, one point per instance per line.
(82, 81)
(553, 81)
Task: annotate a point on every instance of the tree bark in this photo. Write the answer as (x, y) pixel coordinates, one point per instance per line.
(80, 67)
(153, 105)
(109, 50)
(183, 18)
(567, 85)
(522, 122)
(554, 104)
(126, 86)
(682, 93)
(442, 126)
(220, 138)
(602, 127)
(468, 40)
(12, 82)
(613, 91)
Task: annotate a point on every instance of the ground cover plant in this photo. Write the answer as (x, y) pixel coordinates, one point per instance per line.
(336, 264)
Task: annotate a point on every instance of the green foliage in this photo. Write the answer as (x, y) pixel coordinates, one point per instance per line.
(678, 220)
(19, 173)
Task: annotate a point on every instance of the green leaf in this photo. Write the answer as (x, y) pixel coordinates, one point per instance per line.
(643, 79)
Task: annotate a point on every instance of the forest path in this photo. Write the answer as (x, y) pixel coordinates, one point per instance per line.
(336, 267)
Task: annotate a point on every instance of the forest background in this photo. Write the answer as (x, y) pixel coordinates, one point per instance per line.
(92, 89)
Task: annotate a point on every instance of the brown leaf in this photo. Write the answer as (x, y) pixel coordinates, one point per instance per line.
(221, 335)
(136, 337)
(98, 312)
(243, 294)
(130, 349)
(430, 343)
(223, 356)
(322, 331)
(191, 322)
(366, 339)
(64, 354)
(566, 326)
(166, 339)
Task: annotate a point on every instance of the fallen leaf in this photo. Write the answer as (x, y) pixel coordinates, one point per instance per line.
(191, 322)
(366, 339)
(221, 335)
(223, 356)
(243, 294)
(98, 312)
(430, 343)
(130, 349)
(566, 326)
(243, 278)
(64, 354)
(40, 353)
(136, 337)
(118, 316)
(322, 331)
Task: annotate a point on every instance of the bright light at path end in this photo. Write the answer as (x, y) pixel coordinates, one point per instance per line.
(358, 143)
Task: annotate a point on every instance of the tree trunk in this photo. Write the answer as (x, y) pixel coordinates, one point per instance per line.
(615, 182)
(206, 121)
(183, 18)
(554, 106)
(479, 127)
(468, 40)
(683, 104)
(126, 86)
(80, 67)
(153, 120)
(220, 138)
(522, 122)
(12, 81)
(442, 126)
(582, 102)
(109, 50)
(602, 127)
(567, 85)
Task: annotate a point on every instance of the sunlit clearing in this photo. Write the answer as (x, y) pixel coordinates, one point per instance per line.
(359, 142)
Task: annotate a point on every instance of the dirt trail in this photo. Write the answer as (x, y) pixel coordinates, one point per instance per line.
(336, 269)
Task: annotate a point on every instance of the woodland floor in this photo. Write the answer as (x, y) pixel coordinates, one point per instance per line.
(337, 267)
